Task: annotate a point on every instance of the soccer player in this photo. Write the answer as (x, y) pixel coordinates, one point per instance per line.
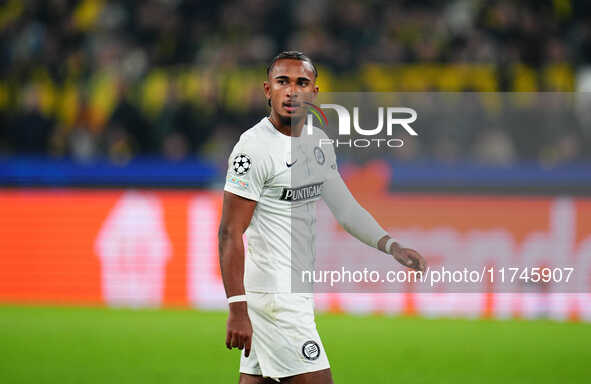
(274, 327)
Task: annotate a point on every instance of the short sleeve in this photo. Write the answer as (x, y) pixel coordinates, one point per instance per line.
(247, 172)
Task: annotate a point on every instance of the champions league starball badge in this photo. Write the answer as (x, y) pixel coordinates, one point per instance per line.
(241, 164)
(319, 155)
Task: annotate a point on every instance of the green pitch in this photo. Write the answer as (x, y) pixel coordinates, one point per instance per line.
(74, 345)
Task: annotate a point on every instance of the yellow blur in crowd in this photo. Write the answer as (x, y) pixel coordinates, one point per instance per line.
(238, 89)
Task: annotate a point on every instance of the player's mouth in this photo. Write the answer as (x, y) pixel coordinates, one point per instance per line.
(291, 106)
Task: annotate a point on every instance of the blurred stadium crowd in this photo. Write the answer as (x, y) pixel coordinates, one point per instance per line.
(178, 79)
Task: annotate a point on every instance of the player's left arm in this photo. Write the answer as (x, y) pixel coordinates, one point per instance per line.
(361, 224)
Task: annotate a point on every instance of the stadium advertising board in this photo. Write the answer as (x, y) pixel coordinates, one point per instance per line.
(159, 248)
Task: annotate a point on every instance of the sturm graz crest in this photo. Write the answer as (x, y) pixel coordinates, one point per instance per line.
(319, 154)
(311, 350)
(241, 164)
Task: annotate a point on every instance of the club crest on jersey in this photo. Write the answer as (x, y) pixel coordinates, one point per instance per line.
(304, 192)
(311, 350)
(319, 155)
(241, 164)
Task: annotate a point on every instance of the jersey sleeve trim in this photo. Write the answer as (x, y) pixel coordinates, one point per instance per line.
(241, 193)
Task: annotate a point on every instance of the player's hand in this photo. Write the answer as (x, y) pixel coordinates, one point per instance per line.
(239, 328)
(408, 257)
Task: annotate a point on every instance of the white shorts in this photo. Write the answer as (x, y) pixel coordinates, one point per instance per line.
(285, 341)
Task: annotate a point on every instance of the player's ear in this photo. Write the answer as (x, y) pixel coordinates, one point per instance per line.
(315, 92)
(267, 89)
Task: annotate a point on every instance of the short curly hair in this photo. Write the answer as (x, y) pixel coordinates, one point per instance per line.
(294, 55)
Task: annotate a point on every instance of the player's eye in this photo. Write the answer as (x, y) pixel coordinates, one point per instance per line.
(303, 83)
(281, 81)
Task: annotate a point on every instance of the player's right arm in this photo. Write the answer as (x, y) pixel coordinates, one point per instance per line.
(247, 172)
(236, 215)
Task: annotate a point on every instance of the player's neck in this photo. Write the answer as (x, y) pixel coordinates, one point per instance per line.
(287, 129)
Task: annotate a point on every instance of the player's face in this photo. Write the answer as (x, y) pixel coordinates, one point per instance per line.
(290, 83)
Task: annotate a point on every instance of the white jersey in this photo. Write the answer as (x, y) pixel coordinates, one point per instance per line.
(285, 176)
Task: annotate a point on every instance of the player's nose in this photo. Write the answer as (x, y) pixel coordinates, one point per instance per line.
(292, 91)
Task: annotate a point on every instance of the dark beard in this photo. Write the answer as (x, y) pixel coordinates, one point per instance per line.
(291, 120)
